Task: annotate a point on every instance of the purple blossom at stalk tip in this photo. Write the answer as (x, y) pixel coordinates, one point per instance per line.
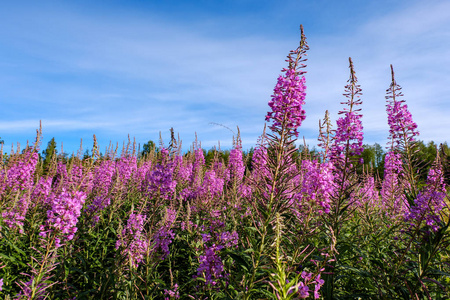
(303, 290)
(287, 101)
(259, 163)
(212, 185)
(319, 282)
(348, 138)
(289, 93)
(211, 266)
(41, 191)
(132, 240)
(184, 172)
(16, 216)
(141, 174)
(165, 235)
(63, 216)
(245, 191)
(103, 177)
(19, 176)
(125, 168)
(402, 128)
(400, 122)
(349, 129)
(197, 169)
(161, 182)
(431, 200)
(1, 284)
(74, 177)
(228, 239)
(316, 184)
(236, 166)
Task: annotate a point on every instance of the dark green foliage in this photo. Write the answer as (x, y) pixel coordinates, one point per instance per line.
(49, 155)
(148, 148)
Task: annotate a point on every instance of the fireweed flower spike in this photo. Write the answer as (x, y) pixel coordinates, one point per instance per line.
(347, 143)
(348, 139)
(402, 128)
(393, 199)
(289, 94)
(286, 116)
(132, 239)
(287, 101)
(402, 133)
(276, 189)
(431, 200)
(236, 166)
(325, 137)
(63, 217)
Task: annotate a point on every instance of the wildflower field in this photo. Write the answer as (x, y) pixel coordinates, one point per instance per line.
(278, 224)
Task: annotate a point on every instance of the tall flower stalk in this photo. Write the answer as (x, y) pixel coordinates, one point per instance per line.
(402, 133)
(275, 193)
(347, 144)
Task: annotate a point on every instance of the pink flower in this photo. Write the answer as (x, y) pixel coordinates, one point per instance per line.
(287, 101)
(63, 217)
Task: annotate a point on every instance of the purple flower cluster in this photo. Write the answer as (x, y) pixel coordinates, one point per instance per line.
(140, 175)
(41, 190)
(172, 293)
(77, 178)
(197, 169)
(392, 195)
(367, 193)
(102, 177)
(286, 103)
(349, 135)
(430, 201)
(16, 216)
(161, 182)
(228, 239)
(245, 191)
(211, 266)
(316, 184)
(236, 166)
(302, 287)
(132, 239)
(165, 235)
(98, 204)
(401, 124)
(61, 174)
(402, 128)
(125, 168)
(212, 185)
(74, 177)
(184, 170)
(259, 163)
(19, 175)
(63, 216)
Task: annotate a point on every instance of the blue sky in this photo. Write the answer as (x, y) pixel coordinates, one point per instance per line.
(113, 68)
